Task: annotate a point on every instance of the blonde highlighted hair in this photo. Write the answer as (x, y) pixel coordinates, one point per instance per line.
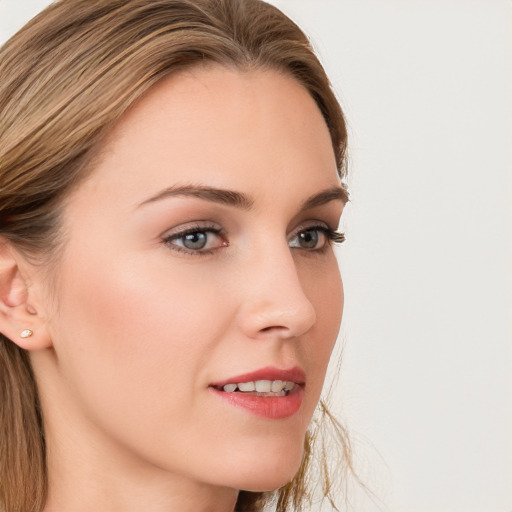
(66, 78)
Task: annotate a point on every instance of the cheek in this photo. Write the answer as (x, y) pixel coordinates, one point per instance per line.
(128, 334)
(324, 289)
(136, 302)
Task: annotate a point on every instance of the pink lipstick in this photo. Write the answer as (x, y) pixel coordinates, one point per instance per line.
(269, 392)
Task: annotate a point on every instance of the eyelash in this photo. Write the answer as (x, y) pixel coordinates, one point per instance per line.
(333, 238)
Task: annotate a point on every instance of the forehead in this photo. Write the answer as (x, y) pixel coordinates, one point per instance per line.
(231, 128)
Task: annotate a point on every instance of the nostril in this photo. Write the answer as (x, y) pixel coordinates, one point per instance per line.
(274, 328)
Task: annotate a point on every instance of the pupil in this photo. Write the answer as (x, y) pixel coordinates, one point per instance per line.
(195, 240)
(309, 239)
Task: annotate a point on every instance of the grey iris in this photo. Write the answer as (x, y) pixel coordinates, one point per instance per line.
(308, 239)
(195, 240)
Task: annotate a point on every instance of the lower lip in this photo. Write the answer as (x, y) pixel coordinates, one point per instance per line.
(272, 407)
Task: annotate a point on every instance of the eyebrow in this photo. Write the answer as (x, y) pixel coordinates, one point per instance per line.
(324, 197)
(240, 200)
(215, 195)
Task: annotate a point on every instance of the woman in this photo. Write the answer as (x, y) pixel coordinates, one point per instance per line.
(170, 192)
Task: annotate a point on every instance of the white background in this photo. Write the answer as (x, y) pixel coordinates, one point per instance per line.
(426, 384)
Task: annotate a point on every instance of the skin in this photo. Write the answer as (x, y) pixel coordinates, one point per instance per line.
(137, 327)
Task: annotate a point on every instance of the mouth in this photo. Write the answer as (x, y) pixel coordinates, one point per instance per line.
(260, 387)
(270, 392)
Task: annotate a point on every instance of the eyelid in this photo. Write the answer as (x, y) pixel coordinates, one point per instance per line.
(187, 227)
(309, 225)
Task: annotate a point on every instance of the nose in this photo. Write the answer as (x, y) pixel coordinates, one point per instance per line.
(274, 302)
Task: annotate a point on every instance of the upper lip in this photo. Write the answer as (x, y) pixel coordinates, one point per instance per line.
(295, 374)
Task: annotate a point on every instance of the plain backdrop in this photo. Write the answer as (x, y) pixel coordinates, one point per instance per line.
(425, 387)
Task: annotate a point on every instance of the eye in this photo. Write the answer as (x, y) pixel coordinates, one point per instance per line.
(315, 238)
(196, 240)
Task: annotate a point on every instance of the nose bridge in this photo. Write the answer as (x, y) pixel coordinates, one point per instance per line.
(275, 302)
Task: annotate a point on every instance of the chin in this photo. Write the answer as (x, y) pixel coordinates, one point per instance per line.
(268, 470)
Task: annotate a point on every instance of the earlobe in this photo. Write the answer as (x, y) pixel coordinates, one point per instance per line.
(19, 318)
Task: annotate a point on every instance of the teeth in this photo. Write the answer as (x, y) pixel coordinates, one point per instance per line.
(277, 386)
(246, 386)
(261, 386)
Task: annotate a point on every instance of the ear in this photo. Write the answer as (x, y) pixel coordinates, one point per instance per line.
(20, 309)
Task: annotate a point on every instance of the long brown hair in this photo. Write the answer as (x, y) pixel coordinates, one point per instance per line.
(66, 78)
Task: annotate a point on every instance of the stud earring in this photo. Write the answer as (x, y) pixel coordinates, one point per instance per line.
(26, 333)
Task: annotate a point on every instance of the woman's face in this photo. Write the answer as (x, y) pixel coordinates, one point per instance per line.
(197, 256)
